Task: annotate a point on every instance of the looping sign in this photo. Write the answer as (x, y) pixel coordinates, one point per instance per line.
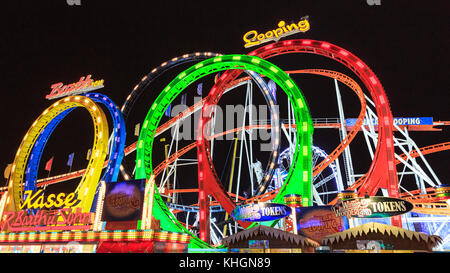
(372, 207)
(259, 212)
(53, 212)
(253, 38)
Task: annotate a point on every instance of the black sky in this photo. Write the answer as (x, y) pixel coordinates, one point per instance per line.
(405, 43)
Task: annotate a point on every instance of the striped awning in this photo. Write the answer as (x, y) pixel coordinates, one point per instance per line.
(270, 233)
(373, 227)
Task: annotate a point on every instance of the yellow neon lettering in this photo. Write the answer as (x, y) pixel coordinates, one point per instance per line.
(249, 38)
(59, 200)
(252, 37)
(277, 32)
(39, 203)
(281, 24)
(50, 201)
(260, 37)
(30, 196)
(303, 25)
(69, 198)
(292, 27)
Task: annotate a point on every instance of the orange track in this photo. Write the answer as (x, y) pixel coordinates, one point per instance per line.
(416, 198)
(319, 168)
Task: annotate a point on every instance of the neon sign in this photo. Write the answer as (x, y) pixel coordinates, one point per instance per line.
(53, 212)
(46, 220)
(252, 38)
(261, 212)
(85, 84)
(397, 121)
(37, 201)
(372, 207)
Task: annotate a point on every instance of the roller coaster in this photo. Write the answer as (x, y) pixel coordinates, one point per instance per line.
(300, 168)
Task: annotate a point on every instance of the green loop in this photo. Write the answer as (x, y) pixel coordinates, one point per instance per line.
(299, 177)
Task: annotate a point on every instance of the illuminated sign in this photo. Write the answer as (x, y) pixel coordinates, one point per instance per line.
(317, 222)
(372, 207)
(62, 219)
(260, 212)
(397, 121)
(52, 212)
(85, 84)
(123, 200)
(37, 201)
(252, 38)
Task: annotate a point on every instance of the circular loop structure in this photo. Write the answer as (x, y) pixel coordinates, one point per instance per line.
(118, 137)
(145, 142)
(153, 75)
(384, 155)
(88, 185)
(117, 148)
(157, 72)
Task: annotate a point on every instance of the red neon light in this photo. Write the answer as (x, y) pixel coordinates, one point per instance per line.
(360, 64)
(379, 170)
(391, 165)
(389, 142)
(43, 220)
(343, 52)
(85, 84)
(306, 42)
(77, 227)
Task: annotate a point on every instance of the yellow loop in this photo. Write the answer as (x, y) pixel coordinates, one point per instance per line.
(88, 185)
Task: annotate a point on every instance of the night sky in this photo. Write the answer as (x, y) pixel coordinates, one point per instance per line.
(43, 42)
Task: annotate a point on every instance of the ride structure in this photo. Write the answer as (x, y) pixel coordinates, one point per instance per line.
(298, 169)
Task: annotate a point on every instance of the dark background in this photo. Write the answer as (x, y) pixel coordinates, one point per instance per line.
(43, 42)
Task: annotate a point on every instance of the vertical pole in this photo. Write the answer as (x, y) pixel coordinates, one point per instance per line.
(348, 165)
(230, 184)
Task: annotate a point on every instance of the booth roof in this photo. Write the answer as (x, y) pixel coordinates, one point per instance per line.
(373, 227)
(270, 232)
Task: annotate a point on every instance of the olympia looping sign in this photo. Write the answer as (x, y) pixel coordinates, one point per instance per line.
(253, 38)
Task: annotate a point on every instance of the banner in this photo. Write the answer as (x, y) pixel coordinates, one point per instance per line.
(70, 161)
(48, 165)
(169, 108)
(200, 89)
(123, 200)
(137, 129)
(7, 171)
